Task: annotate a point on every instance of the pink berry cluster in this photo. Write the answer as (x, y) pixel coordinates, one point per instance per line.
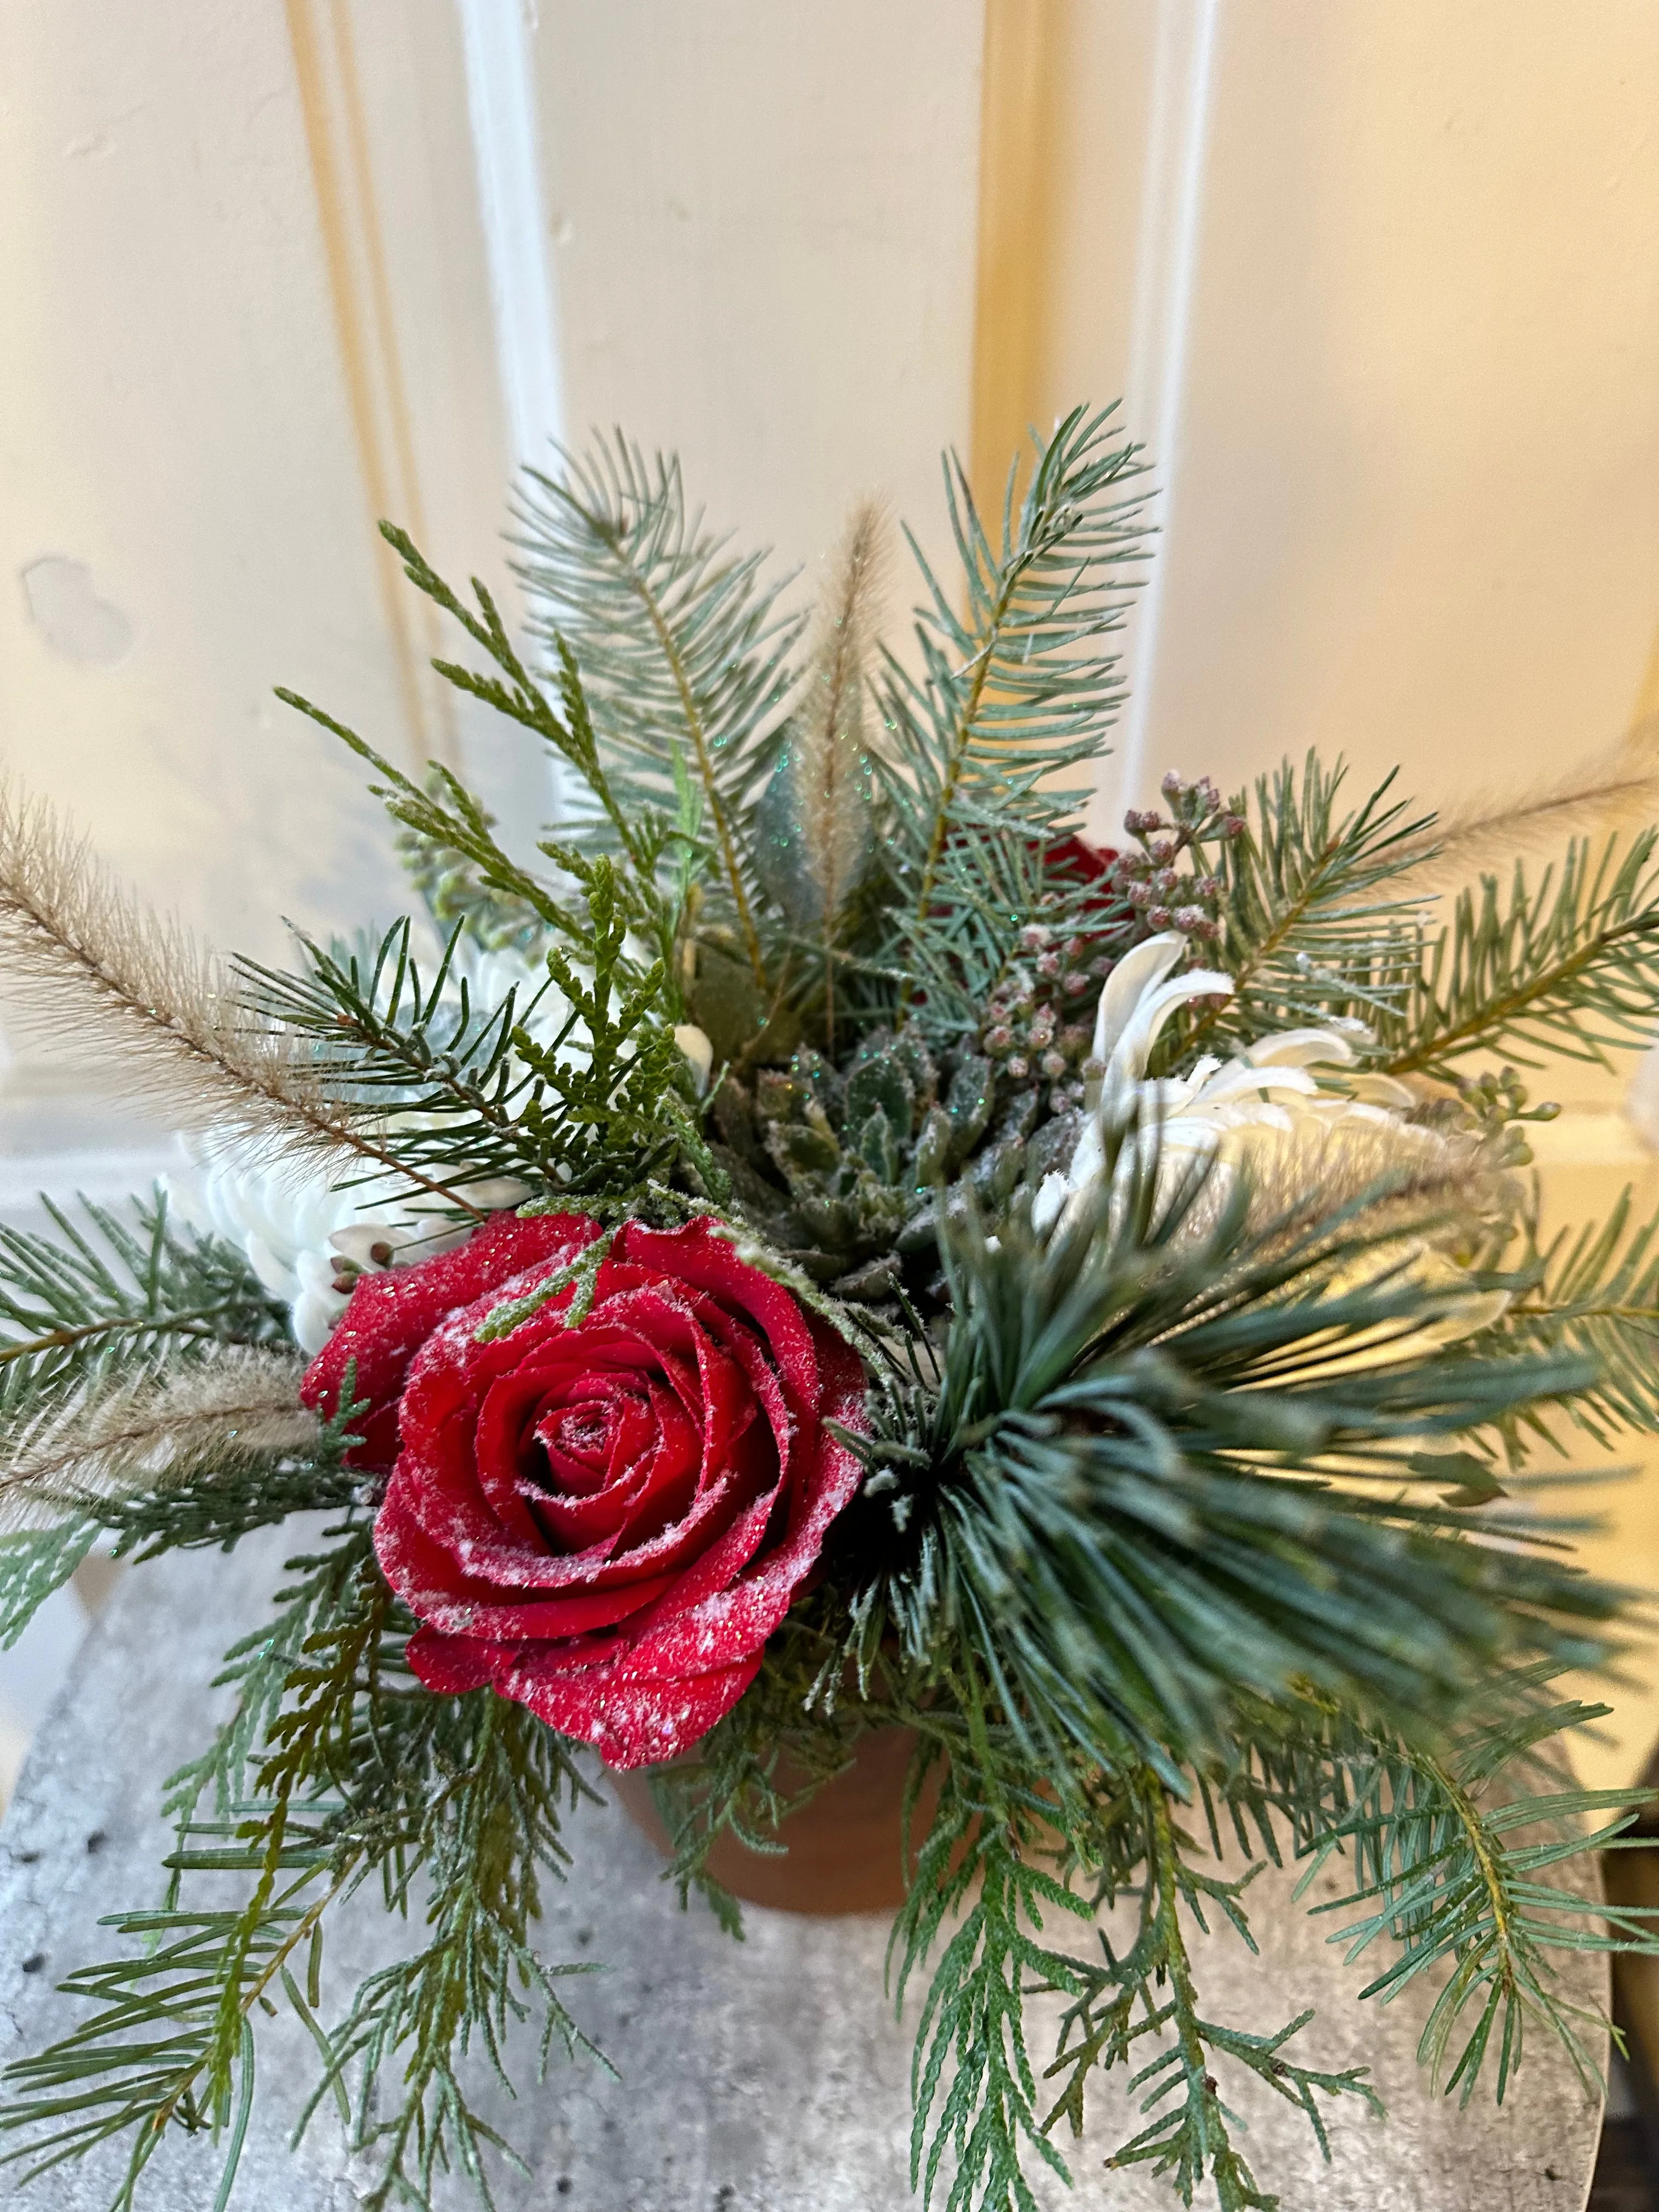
(1165, 893)
(1039, 1019)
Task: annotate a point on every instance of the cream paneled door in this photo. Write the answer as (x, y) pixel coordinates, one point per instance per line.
(1382, 283)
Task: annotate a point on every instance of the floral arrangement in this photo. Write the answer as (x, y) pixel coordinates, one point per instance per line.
(821, 1250)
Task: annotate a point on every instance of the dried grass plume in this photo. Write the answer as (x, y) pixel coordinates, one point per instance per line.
(133, 1436)
(80, 952)
(1490, 833)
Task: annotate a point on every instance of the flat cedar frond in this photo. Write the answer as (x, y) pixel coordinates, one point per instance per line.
(150, 1431)
(1016, 691)
(684, 656)
(1569, 965)
(78, 948)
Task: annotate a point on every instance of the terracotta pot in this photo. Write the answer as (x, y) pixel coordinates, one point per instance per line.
(842, 1848)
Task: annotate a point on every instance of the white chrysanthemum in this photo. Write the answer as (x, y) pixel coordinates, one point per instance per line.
(303, 1234)
(1237, 1109)
(1222, 1108)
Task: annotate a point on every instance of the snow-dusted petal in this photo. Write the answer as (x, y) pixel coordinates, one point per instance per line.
(1139, 1034)
(1301, 1048)
(1139, 970)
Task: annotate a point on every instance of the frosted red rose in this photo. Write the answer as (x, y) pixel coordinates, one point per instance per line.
(604, 1520)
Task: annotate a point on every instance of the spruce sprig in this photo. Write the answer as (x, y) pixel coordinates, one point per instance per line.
(110, 1289)
(109, 1298)
(1568, 966)
(1314, 919)
(684, 655)
(1018, 690)
(1596, 1291)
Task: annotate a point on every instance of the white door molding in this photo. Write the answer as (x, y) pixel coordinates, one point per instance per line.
(1166, 264)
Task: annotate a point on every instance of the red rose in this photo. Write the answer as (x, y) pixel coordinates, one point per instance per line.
(1075, 860)
(604, 1520)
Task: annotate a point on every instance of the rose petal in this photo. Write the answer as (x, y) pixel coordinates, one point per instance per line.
(388, 1317)
(607, 1520)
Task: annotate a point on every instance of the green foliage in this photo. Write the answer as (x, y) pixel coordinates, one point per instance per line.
(108, 1292)
(1570, 966)
(1597, 1292)
(1151, 1991)
(991, 889)
(34, 1562)
(453, 890)
(1121, 1470)
(1460, 1856)
(336, 1767)
(979, 1895)
(109, 1299)
(1190, 1518)
(450, 828)
(1018, 690)
(595, 1108)
(1314, 922)
(684, 654)
(241, 1491)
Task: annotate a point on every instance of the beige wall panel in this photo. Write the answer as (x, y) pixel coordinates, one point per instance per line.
(176, 421)
(764, 218)
(1417, 512)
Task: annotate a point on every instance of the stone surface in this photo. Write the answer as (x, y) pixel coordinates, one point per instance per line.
(764, 2077)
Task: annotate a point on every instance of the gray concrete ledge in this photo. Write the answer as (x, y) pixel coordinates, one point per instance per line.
(761, 2077)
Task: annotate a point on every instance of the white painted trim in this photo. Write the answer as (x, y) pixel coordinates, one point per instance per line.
(496, 36)
(1166, 262)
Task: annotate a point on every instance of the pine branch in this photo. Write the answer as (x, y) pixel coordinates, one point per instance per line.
(1115, 1472)
(1015, 692)
(107, 1304)
(389, 1037)
(475, 1096)
(108, 1292)
(682, 655)
(1570, 968)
